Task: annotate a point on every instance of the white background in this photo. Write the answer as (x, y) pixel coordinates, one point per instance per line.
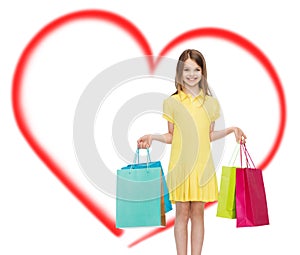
(39, 216)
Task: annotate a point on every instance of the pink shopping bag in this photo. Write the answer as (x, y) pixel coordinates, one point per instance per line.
(251, 203)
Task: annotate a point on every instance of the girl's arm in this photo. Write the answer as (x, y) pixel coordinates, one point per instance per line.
(215, 135)
(146, 140)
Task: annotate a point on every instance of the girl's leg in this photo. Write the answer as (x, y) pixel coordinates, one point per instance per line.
(197, 227)
(180, 227)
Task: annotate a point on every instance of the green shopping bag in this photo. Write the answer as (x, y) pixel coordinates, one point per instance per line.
(140, 196)
(226, 200)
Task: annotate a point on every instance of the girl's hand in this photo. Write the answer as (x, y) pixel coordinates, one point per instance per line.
(144, 142)
(239, 135)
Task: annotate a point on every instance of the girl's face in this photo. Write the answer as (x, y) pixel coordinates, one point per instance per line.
(191, 74)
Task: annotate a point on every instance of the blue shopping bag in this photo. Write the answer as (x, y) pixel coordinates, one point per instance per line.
(142, 194)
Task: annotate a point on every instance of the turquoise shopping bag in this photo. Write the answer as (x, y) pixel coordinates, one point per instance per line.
(142, 197)
(157, 164)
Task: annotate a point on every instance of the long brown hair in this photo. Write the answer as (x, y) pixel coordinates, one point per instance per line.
(196, 56)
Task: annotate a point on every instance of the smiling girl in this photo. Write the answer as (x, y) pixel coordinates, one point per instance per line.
(191, 113)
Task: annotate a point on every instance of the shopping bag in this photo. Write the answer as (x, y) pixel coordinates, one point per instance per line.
(140, 200)
(152, 164)
(251, 202)
(226, 199)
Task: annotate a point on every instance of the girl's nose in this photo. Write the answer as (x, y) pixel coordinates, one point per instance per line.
(189, 72)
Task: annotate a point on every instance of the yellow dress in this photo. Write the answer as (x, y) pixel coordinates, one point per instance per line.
(191, 172)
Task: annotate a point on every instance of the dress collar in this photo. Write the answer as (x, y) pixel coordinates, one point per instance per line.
(184, 96)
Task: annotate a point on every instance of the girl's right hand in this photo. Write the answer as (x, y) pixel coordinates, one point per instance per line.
(144, 142)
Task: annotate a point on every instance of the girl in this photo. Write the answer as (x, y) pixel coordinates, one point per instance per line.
(191, 113)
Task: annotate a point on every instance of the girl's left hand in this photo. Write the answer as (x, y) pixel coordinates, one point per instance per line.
(239, 135)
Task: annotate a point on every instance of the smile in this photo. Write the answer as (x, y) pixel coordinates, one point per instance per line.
(192, 79)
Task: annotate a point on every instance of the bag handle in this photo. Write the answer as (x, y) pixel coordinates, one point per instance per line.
(247, 156)
(137, 156)
(234, 155)
(136, 159)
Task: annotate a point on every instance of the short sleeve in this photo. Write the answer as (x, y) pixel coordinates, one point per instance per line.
(168, 111)
(213, 108)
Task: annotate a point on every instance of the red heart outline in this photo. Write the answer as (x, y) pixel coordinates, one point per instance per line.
(137, 35)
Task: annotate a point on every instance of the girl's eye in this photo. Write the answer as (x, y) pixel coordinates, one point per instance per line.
(187, 70)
